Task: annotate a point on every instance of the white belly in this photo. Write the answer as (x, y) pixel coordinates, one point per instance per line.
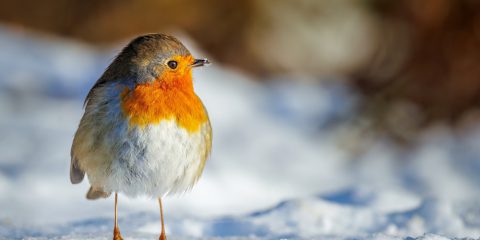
(154, 160)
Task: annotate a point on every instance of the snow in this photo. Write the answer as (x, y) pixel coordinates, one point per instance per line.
(278, 168)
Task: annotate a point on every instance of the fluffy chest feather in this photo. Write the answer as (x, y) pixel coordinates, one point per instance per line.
(158, 159)
(153, 102)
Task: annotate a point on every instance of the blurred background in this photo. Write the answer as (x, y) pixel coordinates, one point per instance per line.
(330, 104)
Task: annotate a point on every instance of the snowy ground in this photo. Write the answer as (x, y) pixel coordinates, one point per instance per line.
(277, 170)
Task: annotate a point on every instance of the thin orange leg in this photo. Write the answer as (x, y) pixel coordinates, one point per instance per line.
(162, 235)
(116, 230)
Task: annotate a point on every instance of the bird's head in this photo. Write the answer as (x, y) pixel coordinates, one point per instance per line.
(156, 58)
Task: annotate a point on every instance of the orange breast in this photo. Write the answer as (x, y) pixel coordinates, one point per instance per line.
(172, 98)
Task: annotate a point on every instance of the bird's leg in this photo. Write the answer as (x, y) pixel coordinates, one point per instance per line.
(162, 235)
(116, 230)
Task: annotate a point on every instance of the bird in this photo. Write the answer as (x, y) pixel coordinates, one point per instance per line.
(144, 131)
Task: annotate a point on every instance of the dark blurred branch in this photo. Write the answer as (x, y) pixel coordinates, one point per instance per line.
(437, 70)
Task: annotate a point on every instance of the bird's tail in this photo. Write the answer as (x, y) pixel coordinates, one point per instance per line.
(96, 193)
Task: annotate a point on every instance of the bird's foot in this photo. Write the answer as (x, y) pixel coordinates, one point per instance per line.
(116, 234)
(162, 236)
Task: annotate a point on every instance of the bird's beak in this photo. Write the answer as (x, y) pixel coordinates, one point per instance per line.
(200, 62)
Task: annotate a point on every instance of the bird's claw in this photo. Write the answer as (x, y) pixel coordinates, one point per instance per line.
(116, 234)
(162, 236)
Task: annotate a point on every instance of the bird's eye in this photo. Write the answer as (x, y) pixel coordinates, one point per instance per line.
(172, 64)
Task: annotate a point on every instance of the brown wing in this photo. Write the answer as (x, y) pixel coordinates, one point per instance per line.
(76, 174)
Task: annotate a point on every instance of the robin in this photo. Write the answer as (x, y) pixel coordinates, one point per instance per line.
(144, 130)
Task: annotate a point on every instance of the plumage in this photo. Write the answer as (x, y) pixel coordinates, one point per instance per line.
(150, 137)
(149, 158)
